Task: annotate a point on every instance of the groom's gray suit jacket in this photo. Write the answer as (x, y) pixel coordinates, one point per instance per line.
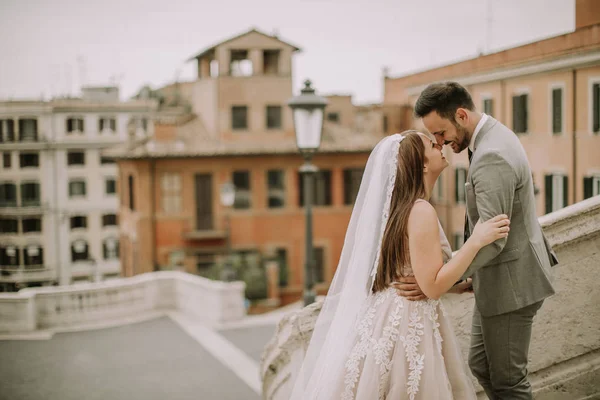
(514, 272)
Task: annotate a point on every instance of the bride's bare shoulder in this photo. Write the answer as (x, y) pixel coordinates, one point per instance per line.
(422, 217)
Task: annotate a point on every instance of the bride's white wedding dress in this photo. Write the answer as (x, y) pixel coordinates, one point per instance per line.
(368, 345)
(405, 350)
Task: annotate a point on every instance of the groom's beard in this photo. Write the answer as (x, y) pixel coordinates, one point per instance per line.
(460, 145)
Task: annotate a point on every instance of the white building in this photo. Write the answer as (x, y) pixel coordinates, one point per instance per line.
(58, 196)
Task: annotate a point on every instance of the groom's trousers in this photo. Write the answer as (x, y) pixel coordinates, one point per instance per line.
(499, 350)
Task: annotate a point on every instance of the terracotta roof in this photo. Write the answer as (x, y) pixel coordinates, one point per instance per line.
(194, 141)
(211, 48)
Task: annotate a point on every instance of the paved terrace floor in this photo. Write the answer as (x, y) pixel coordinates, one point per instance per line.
(170, 357)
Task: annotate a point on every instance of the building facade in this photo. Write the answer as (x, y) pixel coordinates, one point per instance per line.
(240, 130)
(58, 195)
(548, 93)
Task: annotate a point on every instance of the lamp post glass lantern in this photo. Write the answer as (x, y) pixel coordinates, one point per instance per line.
(308, 109)
(227, 200)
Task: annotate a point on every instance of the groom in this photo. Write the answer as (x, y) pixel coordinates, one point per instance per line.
(511, 277)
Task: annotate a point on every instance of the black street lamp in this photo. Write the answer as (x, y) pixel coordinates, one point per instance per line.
(308, 109)
(227, 200)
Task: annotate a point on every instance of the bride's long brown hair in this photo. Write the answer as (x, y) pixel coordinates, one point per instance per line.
(409, 187)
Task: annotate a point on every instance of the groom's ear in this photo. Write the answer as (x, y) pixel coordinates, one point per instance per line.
(461, 116)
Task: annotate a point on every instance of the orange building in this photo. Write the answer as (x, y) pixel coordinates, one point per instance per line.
(232, 124)
(548, 92)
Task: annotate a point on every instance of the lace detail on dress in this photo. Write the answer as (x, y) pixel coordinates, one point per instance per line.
(431, 312)
(386, 343)
(415, 360)
(393, 166)
(360, 349)
(381, 348)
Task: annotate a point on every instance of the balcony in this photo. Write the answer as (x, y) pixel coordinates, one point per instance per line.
(27, 273)
(27, 208)
(565, 348)
(204, 235)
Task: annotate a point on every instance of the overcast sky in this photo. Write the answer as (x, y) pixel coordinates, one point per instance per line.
(52, 47)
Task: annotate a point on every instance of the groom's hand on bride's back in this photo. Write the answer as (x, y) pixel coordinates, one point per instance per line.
(409, 288)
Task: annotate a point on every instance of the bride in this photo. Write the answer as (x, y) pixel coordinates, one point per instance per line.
(369, 342)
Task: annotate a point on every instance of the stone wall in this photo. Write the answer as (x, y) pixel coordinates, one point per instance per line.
(68, 306)
(565, 349)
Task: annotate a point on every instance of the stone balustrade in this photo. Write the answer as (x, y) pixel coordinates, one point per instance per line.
(565, 348)
(63, 307)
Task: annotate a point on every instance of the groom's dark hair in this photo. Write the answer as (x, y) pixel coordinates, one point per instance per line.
(444, 98)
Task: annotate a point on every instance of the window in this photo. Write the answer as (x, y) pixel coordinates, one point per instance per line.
(110, 186)
(9, 256)
(520, 116)
(319, 265)
(9, 225)
(171, 193)
(107, 124)
(76, 158)
(79, 251)
(282, 261)
(8, 195)
(239, 64)
(130, 185)
(30, 194)
(488, 106)
(110, 249)
(33, 256)
(273, 117)
(29, 160)
(596, 107)
(591, 186)
(322, 188)
(75, 124)
(276, 188)
(28, 131)
(460, 180)
(79, 222)
(239, 117)
(241, 181)
(556, 191)
(109, 220)
(352, 179)
(7, 130)
(106, 160)
(557, 110)
(6, 159)
(29, 225)
(333, 117)
(77, 188)
(271, 62)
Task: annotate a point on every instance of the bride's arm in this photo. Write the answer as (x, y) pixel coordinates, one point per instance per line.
(433, 276)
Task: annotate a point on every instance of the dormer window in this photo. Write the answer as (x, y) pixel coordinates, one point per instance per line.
(271, 62)
(240, 64)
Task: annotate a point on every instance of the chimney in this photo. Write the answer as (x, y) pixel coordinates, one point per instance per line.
(587, 13)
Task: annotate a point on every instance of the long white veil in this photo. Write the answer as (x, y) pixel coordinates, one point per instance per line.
(334, 332)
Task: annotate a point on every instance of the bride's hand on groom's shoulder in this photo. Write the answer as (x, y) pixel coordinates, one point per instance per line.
(409, 288)
(465, 286)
